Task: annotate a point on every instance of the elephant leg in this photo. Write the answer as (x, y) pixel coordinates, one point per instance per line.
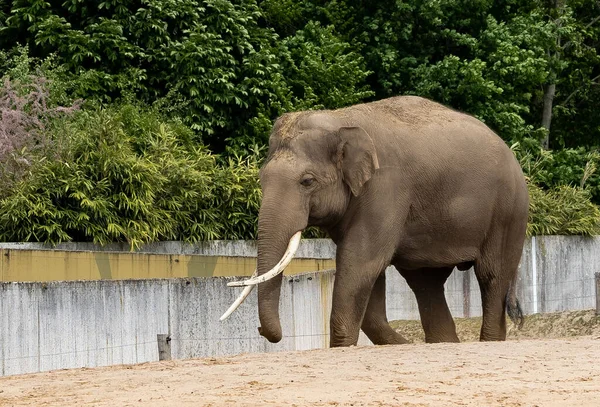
(495, 271)
(428, 286)
(493, 302)
(375, 323)
(355, 278)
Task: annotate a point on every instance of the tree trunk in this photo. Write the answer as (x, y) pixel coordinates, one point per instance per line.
(549, 91)
(550, 88)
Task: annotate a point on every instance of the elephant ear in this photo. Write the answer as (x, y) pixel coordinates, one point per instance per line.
(356, 157)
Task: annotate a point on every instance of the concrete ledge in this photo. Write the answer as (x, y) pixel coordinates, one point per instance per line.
(309, 248)
(56, 265)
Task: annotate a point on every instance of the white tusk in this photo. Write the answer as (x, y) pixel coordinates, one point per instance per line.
(279, 267)
(240, 299)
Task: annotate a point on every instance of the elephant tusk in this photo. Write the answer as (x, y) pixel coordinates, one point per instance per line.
(279, 267)
(239, 300)
(255, 279)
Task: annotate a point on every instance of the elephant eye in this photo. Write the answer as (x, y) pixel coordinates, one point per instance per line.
(307, 181)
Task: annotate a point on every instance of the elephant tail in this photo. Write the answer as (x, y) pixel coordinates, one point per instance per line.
(513, 307)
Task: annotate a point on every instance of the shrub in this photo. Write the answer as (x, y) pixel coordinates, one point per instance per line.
(25, 117)
(550, 169)
(562, 210)
(561, 205)
(237, 195)
(123, 174)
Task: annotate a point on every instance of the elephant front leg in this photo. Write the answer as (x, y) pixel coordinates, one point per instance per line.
(375, 323)
(354, 281)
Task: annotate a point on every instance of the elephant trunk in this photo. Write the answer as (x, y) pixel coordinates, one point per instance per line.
(276, 226)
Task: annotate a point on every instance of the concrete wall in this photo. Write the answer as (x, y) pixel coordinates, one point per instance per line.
(57, 325)
(51, 325)
(46, 326)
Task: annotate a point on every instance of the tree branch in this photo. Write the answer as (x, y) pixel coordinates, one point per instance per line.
(577, 90)
(595, 20)
(591, 23)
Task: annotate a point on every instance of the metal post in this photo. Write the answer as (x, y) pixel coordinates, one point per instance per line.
(597, 293)
(467, 294)
(164, 346)
(534, 275)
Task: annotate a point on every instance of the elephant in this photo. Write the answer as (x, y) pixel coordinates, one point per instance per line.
(402, 181)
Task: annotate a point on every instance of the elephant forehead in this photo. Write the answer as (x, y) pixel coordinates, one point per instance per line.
(309, 148)
(286, 126)
(320, 120)
(281, 158)
(291, 125)
(284, 165)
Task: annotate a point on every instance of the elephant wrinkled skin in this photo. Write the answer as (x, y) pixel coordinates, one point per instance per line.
(402, 181)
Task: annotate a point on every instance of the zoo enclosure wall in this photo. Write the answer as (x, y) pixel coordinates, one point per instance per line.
(48, 324)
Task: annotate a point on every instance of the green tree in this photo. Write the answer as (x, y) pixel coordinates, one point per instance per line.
(322, 70)
(517, 65)
(577, 78)
(124, 174)
(210, 58)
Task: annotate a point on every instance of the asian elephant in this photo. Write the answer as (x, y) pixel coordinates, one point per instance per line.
(402, 181)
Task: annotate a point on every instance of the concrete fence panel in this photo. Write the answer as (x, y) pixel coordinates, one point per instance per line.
(58, 325)
(53, 325)
(47, 326)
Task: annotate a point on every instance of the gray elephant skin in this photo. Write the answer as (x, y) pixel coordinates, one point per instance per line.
(402, 181)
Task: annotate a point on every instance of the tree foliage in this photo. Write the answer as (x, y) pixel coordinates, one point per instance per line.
(560, 194)
(124, 174)
(180, 97)
(211, 61)
(229, 67)
(209, 55)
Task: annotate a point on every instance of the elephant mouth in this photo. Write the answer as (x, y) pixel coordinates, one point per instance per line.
(256, 279)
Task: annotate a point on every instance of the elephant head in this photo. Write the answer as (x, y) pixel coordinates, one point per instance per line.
(315, 166)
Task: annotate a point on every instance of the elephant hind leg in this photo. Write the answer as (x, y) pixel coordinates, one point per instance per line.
(496, 271)
(494, 289)
(428, 287)
(375, 323)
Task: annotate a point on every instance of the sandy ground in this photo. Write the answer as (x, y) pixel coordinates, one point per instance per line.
(513, 373)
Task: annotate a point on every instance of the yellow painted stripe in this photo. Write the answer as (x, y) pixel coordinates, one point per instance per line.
(41, 265)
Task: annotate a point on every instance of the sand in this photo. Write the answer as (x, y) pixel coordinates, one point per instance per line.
(557, 372)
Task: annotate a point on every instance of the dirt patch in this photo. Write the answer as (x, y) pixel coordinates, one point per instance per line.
(554, 325)
(517, 373)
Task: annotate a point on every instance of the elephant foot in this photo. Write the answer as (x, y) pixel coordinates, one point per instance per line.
(384, 335)
(442, 331)
(446, 339)
(395, 340)
(387, 337)
(494, 336)
(342, 335)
